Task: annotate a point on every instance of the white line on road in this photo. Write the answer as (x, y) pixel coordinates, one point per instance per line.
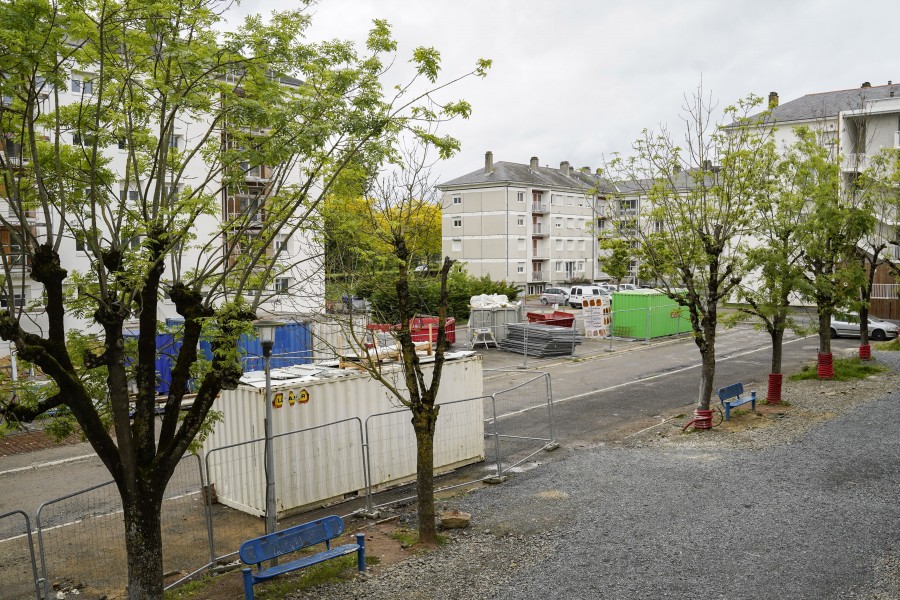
(52, 463)
(657, 376)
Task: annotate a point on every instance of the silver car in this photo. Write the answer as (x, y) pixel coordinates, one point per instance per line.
(555, 295)
(848, 324)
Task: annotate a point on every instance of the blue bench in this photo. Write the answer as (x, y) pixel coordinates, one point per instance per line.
(292, 539)
(733, 396)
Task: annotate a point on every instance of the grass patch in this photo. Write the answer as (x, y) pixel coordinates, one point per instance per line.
(845, 369)
(337, 569)
(890, 345)
(189, 589)
(409, 538)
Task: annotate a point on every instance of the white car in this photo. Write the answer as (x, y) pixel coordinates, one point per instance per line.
(848, 324)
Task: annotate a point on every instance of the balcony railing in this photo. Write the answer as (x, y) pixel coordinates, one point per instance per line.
(856, 161)
(537, 276)
(538, 207)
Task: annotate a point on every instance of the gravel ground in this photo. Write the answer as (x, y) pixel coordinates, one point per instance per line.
(805, 507)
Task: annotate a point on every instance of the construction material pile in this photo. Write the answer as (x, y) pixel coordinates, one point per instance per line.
(540, 340)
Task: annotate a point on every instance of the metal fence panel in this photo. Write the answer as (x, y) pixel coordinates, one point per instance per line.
(17, 559)
(82, 536)
(391, 441)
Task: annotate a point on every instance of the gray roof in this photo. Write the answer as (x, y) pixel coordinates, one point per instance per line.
(514, 173)
(829, 104)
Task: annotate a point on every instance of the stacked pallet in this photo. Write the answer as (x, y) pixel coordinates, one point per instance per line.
(540, 340)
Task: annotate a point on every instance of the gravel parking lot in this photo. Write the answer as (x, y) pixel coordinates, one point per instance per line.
(805, 505)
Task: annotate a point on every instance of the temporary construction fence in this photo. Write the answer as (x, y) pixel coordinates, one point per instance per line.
(91, 521)
(80, 537)
(21, 579)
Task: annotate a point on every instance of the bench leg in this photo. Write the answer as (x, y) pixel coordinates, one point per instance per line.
(361, 553)
(753, 400)
(727, 410)
(248, 584)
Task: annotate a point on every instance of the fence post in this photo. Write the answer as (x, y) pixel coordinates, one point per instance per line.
(35, 578)
(367, 466)
(525, 364)
(499, 477)
(574, 333)
(553, 444)
(207, 506)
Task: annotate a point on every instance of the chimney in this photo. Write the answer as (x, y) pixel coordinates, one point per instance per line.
(564, 167)
(865, 84)
(534, 162)
(773, 99)
(586, 170)
(488, 162)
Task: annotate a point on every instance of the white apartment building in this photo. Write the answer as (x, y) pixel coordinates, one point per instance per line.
(529, 225)
(857, 124)
(299, 290)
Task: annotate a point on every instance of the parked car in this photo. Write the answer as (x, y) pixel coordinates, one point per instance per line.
(848, 324)
(555, 295)
(580, 292)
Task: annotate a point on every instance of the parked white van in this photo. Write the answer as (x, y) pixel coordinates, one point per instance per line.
(580, 292)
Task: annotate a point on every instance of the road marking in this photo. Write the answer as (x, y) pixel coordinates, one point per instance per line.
(650, 378)
(52, 463)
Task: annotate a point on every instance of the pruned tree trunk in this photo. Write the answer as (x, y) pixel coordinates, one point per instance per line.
(143, 541)
(777, 336)
(424, 420)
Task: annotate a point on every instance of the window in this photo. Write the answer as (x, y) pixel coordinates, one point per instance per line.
(457, 245)
(174, 141)
(657, 226)
(570, 245)
(81, 85)
(282, 285)
(559, 244)
(134, 243)
(123, 145)
(570, 201)
(581, 245)
(520, 268)
(520, 221)
(18, 301)
(580, 266)
(457, 221)
(558, 266)
(570, 223)
(132, 195)
(558, 223)
(80, 246)
(520, 243)
(457, 199)
(580, 200)
(280, 244)
(520, 197)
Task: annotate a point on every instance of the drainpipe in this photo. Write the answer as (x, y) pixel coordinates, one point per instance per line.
(507, 232)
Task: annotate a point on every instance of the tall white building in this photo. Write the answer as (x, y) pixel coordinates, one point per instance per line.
(298, 290)
(529, 225)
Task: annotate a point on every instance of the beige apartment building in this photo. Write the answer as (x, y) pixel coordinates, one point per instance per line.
(529, 225)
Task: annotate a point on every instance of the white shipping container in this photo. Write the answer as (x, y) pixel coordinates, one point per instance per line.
(320, 419)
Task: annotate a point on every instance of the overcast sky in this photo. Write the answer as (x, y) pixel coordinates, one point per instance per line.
(574, 80)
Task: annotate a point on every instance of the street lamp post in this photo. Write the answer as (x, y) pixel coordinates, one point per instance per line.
(266, 333)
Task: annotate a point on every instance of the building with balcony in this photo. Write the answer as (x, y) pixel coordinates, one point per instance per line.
(242, 191)
(529, 225)
(856, 124)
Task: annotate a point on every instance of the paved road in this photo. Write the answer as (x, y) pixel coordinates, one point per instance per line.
(599, 395)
